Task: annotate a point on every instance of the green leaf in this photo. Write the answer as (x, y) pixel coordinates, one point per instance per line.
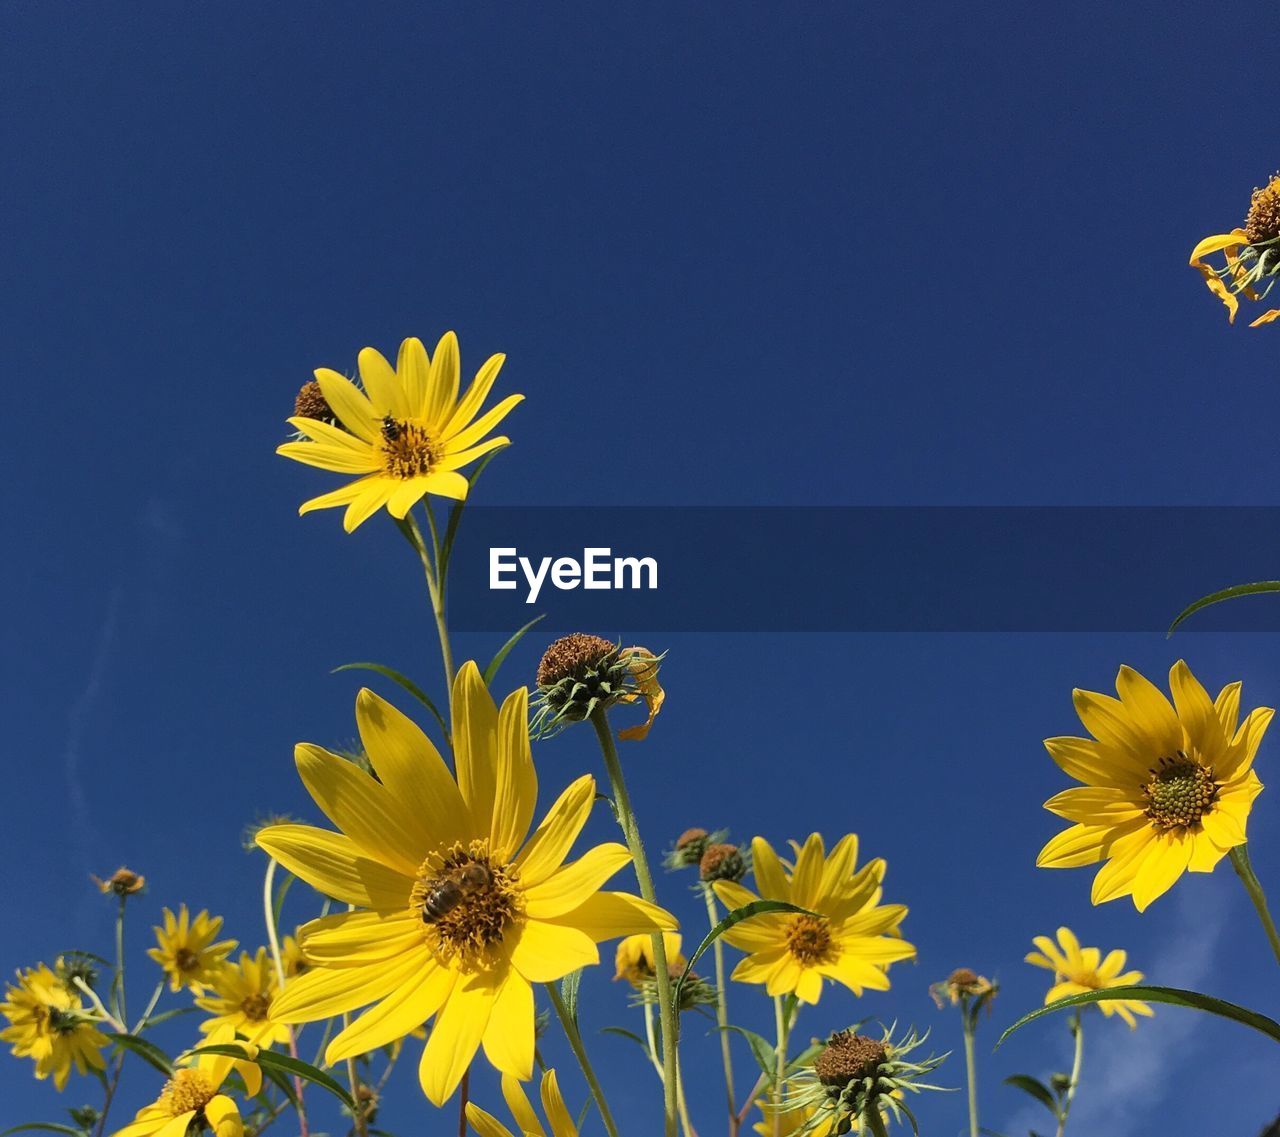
(271, 1060)
(283, 1084)
(623, 1033)
(505, 650)
(755, 908)
(1255, 589)
(165, 1016)
(569, 993)
(1036, 1088)
(404, 681)
(45, 1126)
(762, 1050)
(148, 1051)
(455, 516)
(1170, 995)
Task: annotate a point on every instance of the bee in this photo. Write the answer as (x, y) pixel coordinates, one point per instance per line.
(391, 430)
(450, 890)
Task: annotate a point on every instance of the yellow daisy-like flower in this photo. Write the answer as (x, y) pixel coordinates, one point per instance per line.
(189, 951)
(1077, 970)
(1251, 256)
(522, 1112)
(851, 939)
(461, 914)
(192, 1097)
(242, 999)
(291, 957)
(1167, 788)
(46, 1025)
(633, 961)
(407, 433)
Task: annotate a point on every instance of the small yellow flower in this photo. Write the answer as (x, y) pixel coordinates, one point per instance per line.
(1077, 970)
(407, 433)
(1251, 255)
(243, 994)
(522, 1111)
(1167, 787)
(187, 950)
(191, 1100)
(47, 1025)
(852, 938)
(460, 910)
(633, 961)
(291, 957)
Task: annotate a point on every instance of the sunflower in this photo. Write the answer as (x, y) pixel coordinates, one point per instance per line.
(460, 915)
(1167, 788)
(242, 998)
(187, 951)
(191, 1101)
(406, 432)
(1251, 255)
(851, 937)
(46, 1024)
(633, 961)
(1077, 970)
(522, 1112)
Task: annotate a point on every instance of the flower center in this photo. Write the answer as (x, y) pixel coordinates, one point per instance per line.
(62, 1022)
(1179, 793)
(256, 1007)
(809, 939)
(185, 1091)
(186, 959)
(465, 901)
(849, 1057)
(408, 449)
(1263, 221)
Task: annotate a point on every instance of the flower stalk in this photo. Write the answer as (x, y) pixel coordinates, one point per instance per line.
(1244, 870)
(722, 1013)
(574, 1036)
(662, 977)
(273, 943)
(1077, 1031)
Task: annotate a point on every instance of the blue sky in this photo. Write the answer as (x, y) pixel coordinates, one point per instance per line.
(891, 254)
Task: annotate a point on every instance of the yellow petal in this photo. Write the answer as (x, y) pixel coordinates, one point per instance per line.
(323, 992)
(1227, 704)
(1205, 855)
(770, 878)
(1151, 713)
(549, 846)
(516, 787)
(841, 862)
(385, 391)
(1197, 712)
(348, 403)
(447, 483)
(1166, 860)
(608, 915)
(1094, 805)
(445, 369)
(403, 1011)
(362, 808)
(1081, 845)
(334, 865)
(413, 370)
(343, 495)
(470, 435)
(411, 768)
(1266, 318)
(508, 1039)
(521, 1109)
(486, 1125)
(807, 877)
(573, 884)
(1116, 878)
(1217, 243)
(1087, 762)
(324, 456)
(553, 1106)
(1109, 722)
(475, 744)
(476, 394)
(373, 496)
(455, 1037)
(348, 938)
(544, 952)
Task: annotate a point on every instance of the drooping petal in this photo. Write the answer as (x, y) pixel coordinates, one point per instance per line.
(455, 1037)
(397, 1015)
(334, 865)
(553, 1105)
(521, 1108)
(343, 495)
(1166, 860)
(486, 1125)
(1116, 878)
(509, 1038)
(373, 496)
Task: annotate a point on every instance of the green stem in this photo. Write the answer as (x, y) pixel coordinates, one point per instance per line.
(1244, 870)
(662, 975)
(971, 1067)
(273, 940)
(435, 589)
(574, 1036)
(875, 1123)
(117, 984)
(151, 1006)
(722, 1014)
(1077, 1029)
(783, 1031)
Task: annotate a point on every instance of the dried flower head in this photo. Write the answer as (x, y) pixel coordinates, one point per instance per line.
(123, 882)
(722, 862)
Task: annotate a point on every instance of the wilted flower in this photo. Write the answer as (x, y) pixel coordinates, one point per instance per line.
(689, 847)
(123, 882)
(964, 988)
(582, 673)
(722, 862)
(1251, 255)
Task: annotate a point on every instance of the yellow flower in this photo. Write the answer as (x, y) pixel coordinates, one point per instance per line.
(1251, 255)
(1077, 970)
(633, 961)
(46, 1025)
(1166, 788)
(295, 963)
(406, 433)
(242, 999)
(522, 1111)
(192, 1097)
(187, 950)
(852, 939)
(644, 667)
(799, 1121)
(461, 915)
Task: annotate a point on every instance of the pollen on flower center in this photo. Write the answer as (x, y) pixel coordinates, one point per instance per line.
(408, 448)
(1179, 793)
(185, 1091)
(1263, 221)
(466, 901)
(186, 959)
(256, 1007)
(809, 939)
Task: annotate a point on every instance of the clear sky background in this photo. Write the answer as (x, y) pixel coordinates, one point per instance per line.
(890, 254)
